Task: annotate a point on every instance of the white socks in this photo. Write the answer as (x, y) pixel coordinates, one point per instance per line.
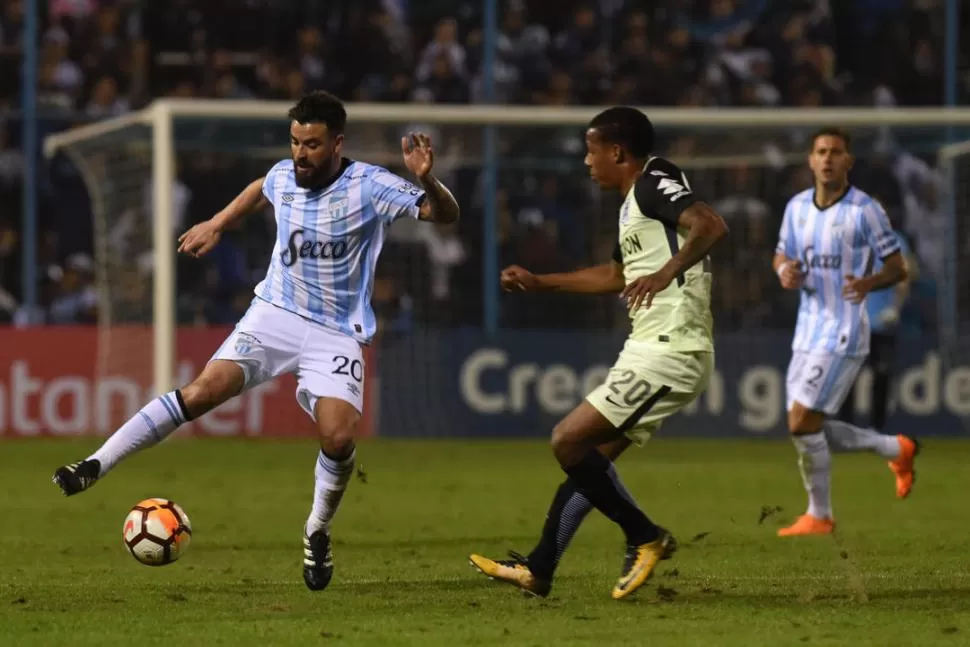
(152, 424)
(848, 437)
(331, 481)
(815, 464)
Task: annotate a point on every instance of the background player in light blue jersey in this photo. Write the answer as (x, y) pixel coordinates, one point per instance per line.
(830, 237)
(312, 312)
(883, 307)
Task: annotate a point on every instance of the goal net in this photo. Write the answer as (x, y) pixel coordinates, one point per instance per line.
(454, 355)
(953, 163)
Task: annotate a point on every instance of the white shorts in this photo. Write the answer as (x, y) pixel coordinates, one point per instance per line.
(269, 341)
(821, 381)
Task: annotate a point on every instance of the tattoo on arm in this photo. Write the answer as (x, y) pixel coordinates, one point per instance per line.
(439, 204)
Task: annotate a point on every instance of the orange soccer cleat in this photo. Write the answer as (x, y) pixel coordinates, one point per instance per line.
(902, 467)
(808, 525)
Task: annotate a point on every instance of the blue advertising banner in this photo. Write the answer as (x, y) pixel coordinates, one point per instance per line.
(520, 383)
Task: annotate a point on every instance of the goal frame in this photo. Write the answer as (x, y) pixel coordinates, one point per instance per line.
(160, 117)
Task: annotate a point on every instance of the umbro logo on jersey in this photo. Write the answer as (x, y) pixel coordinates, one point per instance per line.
(287, 197)
(672, 188)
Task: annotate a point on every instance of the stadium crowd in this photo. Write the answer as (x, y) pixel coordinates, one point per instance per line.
(102, 58)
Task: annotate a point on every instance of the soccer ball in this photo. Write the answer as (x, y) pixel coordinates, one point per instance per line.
(157, 532)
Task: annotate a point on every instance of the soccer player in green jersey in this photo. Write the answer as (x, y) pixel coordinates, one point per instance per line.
(661, 268)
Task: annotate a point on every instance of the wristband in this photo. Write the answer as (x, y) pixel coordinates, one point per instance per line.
(781, 268)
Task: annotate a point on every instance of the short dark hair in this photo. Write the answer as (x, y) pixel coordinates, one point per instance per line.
(320, 107)
(627, 127)
(833, 131)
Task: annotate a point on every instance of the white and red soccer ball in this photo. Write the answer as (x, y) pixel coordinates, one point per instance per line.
(157, 532)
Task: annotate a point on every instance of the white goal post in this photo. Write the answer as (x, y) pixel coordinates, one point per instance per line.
(162, 116)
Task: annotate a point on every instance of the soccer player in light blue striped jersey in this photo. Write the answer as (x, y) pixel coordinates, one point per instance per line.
(830, 237)
(311, 314)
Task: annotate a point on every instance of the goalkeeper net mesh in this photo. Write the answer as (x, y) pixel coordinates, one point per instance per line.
(549, 217)
(116, 167)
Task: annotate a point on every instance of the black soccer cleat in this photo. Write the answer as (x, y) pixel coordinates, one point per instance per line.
(317, 560)
(77, 477)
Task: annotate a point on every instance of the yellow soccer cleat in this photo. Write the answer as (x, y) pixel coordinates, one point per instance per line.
(640, 562)
(514, 571)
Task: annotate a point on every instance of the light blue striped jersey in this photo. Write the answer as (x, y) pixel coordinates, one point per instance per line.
(843, 239)
(328, 241)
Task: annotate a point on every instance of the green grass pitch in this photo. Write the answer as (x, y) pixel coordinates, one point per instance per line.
(897, 573)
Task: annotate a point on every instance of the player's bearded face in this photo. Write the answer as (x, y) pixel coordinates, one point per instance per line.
(830, 161)
(313, 149)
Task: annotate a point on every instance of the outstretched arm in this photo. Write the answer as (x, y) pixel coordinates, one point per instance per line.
(201, 238)
(601, 279)
(249, 199)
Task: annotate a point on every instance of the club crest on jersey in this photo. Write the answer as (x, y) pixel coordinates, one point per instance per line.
(338, 207)
(245, 343)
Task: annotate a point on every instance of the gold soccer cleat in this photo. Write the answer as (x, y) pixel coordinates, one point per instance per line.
(640, 562)
(514, 571)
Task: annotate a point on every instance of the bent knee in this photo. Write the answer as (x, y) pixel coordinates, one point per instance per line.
(219, 382)
(561, 436)
(337, 442)
(802, 420)
(337, 427)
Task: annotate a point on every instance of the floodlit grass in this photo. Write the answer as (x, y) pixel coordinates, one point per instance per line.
(897, 573)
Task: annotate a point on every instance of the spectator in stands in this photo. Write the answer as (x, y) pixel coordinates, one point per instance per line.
(104, 57)
(445, 43)
(105, 100)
